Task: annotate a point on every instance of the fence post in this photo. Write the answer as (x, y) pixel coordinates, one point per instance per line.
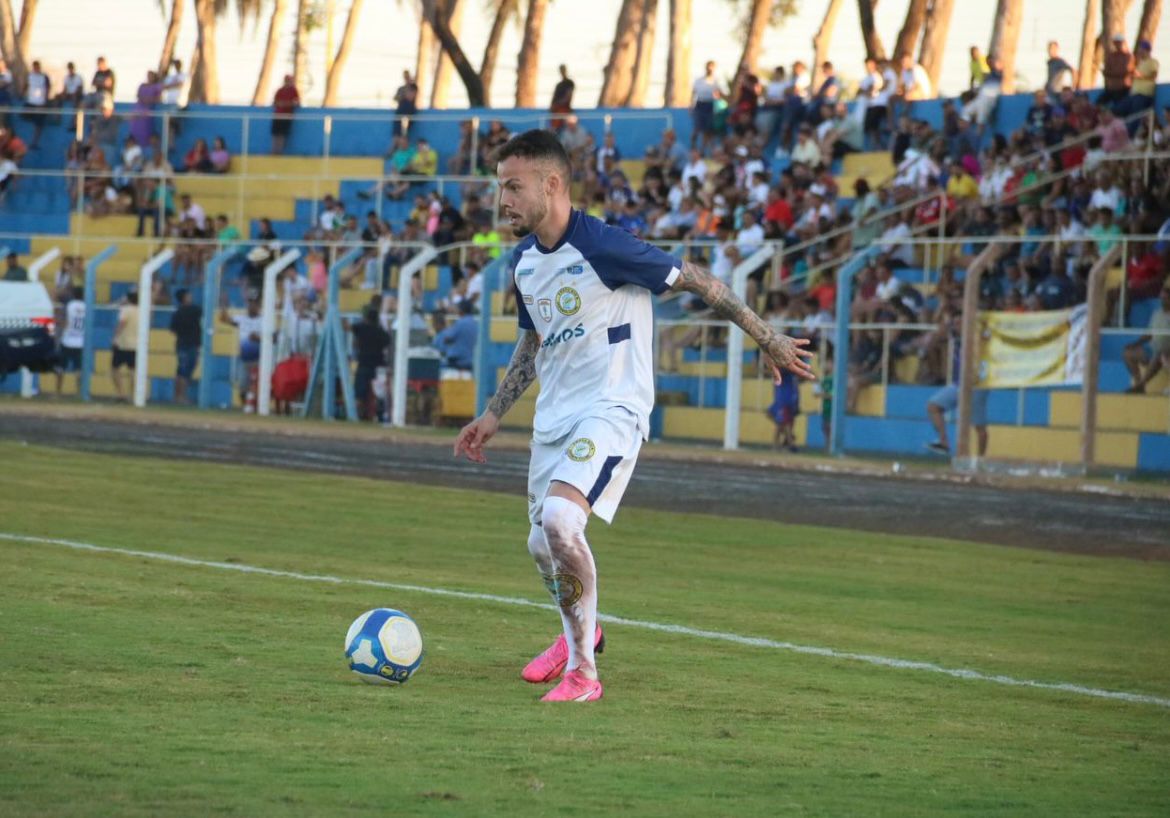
(145, 305)
(968, 341)
(268, 328)
(87, 350)
(841, 344)
(402, 331)
(739, 278)
(1094, 316)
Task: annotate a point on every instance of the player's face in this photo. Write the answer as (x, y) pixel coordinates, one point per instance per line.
(523, 197)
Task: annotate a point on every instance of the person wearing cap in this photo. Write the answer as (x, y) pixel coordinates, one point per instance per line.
(1118, 73)
(284, 104)
(1145, 79)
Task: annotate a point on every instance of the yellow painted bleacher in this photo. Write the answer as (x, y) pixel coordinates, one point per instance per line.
(1129, 413)
(693, 423)
(873, 166)
(1041, 444)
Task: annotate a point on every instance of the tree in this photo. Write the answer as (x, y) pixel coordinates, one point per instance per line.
(528, 62)
(1085, 69)
(505, 11)
(678, 56)
(28, 12)
(1147, 28)
(264, 80)
(619, 70)
(434, 13)
(907, 42)
(1005, 39)
(822, 39)
(445, 69)
(333, 79)
(934, 38)
(1113, 18)
(642, 61)
(172, 36)
(301, 43)
(205, 80)
(874, 50)
(10, 43)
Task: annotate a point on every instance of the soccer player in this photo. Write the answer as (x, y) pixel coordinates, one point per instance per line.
(586, 328)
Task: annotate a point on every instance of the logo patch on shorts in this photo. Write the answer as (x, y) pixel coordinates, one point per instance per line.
(568, 301)
(544, 306)
(581, 449)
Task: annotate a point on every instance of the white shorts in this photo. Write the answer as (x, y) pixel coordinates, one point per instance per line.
(597, 458)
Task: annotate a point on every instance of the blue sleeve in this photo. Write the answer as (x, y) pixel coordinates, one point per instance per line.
(621, 258)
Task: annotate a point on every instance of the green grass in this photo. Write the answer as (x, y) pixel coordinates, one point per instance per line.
(135, 687)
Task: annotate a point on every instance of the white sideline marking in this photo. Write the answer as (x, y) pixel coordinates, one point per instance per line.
(681, 630)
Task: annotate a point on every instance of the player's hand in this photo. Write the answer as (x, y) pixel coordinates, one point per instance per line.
(789, 353)
(474, 435)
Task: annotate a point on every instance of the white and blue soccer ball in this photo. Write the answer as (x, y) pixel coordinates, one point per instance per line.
(384, 646)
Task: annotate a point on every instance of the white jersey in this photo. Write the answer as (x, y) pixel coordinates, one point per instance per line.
(589, 299)
(74, 335)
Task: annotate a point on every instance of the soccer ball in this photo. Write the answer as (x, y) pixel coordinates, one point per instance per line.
(383, 646)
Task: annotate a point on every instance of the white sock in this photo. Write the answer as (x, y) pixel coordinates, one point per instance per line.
(575, 577)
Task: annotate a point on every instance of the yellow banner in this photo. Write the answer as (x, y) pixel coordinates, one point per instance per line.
(1031, 348)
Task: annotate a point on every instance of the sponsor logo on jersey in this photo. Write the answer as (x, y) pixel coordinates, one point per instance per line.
(563, 336)
(528, 300)
(574, 269)
(568, 301)
(544, 306)
(581, 449)
(527, 271)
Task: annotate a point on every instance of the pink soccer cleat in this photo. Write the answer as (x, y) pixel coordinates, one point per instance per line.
(574, 688)
(551, 664)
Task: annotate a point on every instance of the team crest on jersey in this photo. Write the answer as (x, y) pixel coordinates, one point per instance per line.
(581, 449)
(568, 301)
(544, 307)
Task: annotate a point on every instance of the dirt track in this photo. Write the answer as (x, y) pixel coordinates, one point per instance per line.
(1011, 514)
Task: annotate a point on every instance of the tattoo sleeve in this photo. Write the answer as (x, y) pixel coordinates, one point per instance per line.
(519, 376)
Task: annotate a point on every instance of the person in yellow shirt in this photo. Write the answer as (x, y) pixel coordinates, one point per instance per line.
(425, 161)
(961, 185)
(125, 345)
(979, 67)
(1145, 78)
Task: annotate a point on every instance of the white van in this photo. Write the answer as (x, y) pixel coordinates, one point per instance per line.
(26, 327)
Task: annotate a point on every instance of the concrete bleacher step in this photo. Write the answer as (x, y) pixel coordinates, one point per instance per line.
(873, 166)
(1131, 413)
(755, 428)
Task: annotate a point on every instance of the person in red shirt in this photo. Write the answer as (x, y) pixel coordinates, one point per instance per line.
(825, 292)
(284, 105)
(777, 215)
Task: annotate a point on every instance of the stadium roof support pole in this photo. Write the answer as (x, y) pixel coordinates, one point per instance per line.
(268, 327)
(34, 274)
(1093, 320)
(841, 344)
(484, 384)
(968, 340)
(402, 331)
(212, 275)
(87, 350)
(739, 277)
(145, 305)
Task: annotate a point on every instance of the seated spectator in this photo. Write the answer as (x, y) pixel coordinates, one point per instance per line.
(1143, 364)
(220, 158)
(198, 158)
(401, 158)
(981, 107)
(1114, 136)
(72, 88)
(806, 151)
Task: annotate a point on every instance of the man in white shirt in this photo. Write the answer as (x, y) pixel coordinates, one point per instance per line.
(73, 338)
(750, 237)
(36, 99)
(175, 85)
(193, 211)
(896, 253)
(583, 297)
(72, 87)
(806, 150)
(1106, 194)
(703, 95)
(695, 169)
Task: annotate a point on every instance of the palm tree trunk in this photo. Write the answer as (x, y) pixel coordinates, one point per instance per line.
(911, 28)
(28, 13)
(874, 50)
(678, 56)
(758, 19)
(934, 38)
(333, 80)
(641, 84)
(1086, 68)
(264, 80)
(491, 51)
(1113, 18)
(205, 83)
(172, 37)
(1005, 39)
(528, 62)
(446, 69)
(619, 71)
(10, 44)
(1147, 29)
(301, 45)
(471, 80)
(424, 59)
(822, 39)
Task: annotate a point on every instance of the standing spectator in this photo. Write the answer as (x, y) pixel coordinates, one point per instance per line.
(457, 341)
(174, 94)
(193, 211)
(704, 93)
(1060, 73)
(875, 98)
(249, 327)
(1118, 73)
(783, 411)
(147, 98)
(947, 399)
(797, 96)
(1138, 358)
(73, 338)
(913, 85)
(827, 94)
(405, 104)
(102, 84)
(125, 345)
(284, 104)
(5, 91)
(371, 344)
(14, 271)
(72, 88)
(36, 100)
(1145, 79)
(978, 68)
(104, 129)
(562, 98)
(771, 109)
(187, 326)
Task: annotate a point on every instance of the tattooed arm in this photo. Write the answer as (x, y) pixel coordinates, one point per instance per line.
(784, 352)
(519, 376)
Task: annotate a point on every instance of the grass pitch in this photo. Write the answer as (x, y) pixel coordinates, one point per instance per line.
(130, 686)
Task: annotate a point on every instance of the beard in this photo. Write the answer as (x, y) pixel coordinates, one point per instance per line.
(527, 225)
